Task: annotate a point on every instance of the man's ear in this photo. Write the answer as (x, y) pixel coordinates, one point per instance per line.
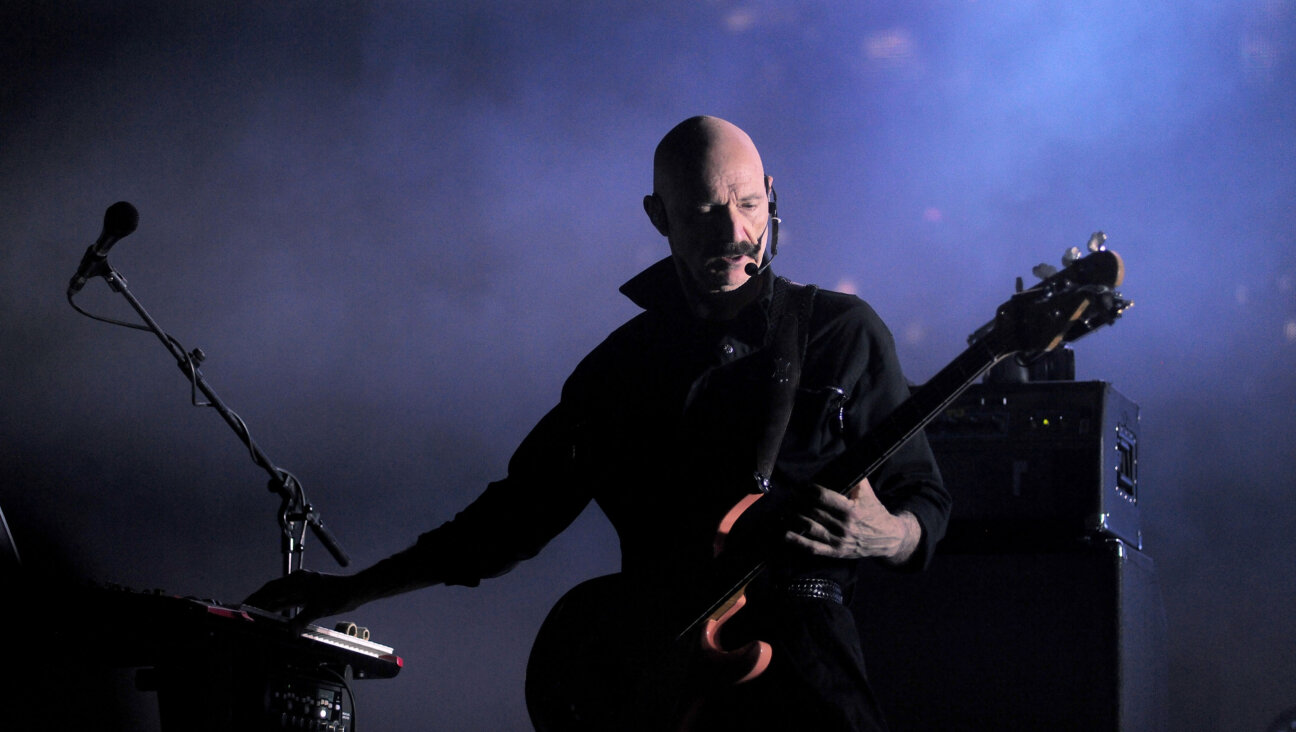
(655, 207)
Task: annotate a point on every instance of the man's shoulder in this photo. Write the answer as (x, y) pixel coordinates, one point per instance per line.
(616, 357)
(634, 335)
(837, 310)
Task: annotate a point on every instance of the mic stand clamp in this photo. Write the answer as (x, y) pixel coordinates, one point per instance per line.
(295, 514)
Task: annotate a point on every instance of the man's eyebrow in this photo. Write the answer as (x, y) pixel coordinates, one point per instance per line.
(709, 201)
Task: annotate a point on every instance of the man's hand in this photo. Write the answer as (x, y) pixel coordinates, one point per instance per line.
(318, 595)
(853, 525)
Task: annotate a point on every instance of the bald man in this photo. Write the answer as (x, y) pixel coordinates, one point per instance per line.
(731, 381)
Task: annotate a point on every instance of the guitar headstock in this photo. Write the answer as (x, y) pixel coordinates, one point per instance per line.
(1063, 306)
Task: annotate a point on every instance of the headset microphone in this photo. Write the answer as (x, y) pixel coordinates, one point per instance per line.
(752, 270)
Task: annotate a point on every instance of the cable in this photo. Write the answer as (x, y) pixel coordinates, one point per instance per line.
(190, 368)
(102, 319)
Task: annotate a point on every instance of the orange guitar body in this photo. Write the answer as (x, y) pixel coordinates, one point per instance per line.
(751, 659)
(604, 661)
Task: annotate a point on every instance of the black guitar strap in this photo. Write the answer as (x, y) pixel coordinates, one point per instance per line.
(786, 340)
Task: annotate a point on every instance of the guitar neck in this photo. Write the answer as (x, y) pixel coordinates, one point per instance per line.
(865, 456)
(734, 571)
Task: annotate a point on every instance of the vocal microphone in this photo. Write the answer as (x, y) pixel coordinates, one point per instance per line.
(120, 220)
(772, 250)
(752, 270)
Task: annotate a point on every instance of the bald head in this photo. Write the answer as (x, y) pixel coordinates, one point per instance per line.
(696, 144)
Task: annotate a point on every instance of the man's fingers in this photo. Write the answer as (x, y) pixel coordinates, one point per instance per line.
(822, 535)
(809, 541)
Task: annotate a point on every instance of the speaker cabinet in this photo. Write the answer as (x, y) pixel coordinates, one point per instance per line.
(1069, 639)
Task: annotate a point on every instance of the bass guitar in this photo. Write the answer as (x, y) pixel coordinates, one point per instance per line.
(615, 656)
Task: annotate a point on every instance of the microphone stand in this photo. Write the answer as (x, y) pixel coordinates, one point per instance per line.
(295, 513)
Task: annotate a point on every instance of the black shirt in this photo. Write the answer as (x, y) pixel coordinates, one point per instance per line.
(658, 424)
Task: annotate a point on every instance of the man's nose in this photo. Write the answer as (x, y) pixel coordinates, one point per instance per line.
(734, 224)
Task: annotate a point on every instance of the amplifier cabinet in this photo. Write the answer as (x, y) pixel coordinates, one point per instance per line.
(1050, 458)
(1060, 640)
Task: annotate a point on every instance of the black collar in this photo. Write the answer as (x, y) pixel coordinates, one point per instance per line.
(658, 289)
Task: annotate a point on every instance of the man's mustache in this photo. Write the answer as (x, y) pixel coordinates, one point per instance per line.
(735, 249)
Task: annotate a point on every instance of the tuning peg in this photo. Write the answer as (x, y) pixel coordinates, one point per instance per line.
(1044, 271)
(1096, 241)
(1070, 256)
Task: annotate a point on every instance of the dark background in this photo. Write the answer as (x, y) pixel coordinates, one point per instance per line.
(395, 227)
